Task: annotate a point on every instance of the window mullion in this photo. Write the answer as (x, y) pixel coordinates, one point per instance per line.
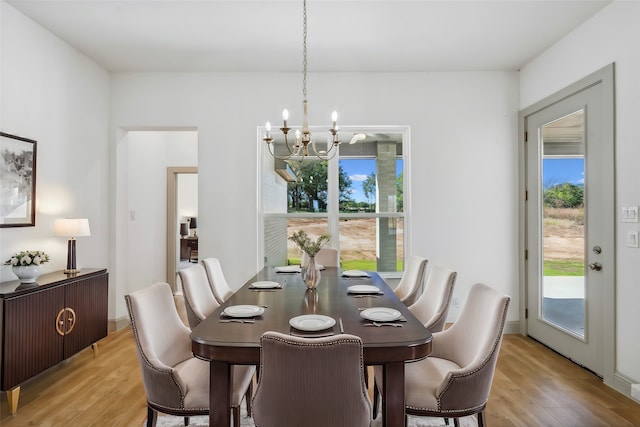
(333, 197)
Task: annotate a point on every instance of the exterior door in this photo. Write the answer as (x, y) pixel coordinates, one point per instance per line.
(570, 222)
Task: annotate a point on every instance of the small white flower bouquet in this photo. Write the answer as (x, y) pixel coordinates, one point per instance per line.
(25, 258)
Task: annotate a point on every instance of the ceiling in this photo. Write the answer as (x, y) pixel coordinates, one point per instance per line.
(345, 35)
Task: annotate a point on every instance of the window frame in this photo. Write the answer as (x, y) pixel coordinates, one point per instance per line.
(333, 215)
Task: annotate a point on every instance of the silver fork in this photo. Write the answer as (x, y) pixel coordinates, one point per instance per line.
(378, 324)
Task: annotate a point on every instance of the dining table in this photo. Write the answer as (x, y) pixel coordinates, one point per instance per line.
(226, 343)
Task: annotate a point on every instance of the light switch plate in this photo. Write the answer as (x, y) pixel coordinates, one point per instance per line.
(630, 214)
(632, 239)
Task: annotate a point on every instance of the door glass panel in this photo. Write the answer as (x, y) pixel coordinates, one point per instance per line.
(563, 287)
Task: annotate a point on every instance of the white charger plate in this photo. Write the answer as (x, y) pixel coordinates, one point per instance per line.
(355, 273)
(312, 322)
(363, 289)
(265, 284)
(243, 311)
(288, 269)
(380, 314)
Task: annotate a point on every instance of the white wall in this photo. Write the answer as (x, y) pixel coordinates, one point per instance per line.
(463, 148)
(55, 95)
(609, 37)
(149, 155)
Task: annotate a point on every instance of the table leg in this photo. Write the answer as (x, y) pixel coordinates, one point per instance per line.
(393, 392)
(220, 383)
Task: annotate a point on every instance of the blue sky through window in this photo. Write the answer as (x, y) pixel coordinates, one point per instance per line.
(358, 170)
(557, 171)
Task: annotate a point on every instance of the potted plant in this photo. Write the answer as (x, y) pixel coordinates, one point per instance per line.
(27, 264)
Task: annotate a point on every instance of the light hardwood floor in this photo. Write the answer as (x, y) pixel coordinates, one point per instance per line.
(533, 386)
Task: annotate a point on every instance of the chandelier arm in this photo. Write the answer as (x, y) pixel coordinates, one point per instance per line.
(286, 141)
(275, 156)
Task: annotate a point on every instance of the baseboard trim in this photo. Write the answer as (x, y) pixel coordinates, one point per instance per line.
(512, 327)
(117, 324)
(623, 385)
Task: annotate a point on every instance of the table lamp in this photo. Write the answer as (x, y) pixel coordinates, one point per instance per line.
(71, 228)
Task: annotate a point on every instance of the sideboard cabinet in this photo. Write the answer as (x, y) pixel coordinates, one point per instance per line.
(44, 323)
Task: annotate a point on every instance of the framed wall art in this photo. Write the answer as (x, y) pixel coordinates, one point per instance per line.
(17, 181)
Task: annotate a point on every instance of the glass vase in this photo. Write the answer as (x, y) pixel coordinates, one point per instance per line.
(311, 273)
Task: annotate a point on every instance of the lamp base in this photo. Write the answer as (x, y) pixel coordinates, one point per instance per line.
(71, 271)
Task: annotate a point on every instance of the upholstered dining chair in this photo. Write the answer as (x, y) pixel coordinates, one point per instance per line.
(431, 309)
(412, 280)
(432, 306)
(221, 289)
(175, 382)
(455, 380)
(199, 300)
(327, 257)
(311, 382)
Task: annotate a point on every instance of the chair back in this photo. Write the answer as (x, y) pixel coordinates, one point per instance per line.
(219, 286)
(327, 257)
(472, 342)
(432, 307)
(311, 382)
(198, 297)
(162, 341)
(412, 280)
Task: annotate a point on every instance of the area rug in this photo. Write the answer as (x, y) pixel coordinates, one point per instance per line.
(169, 421)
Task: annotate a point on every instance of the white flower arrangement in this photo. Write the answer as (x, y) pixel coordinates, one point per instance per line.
(27, 258)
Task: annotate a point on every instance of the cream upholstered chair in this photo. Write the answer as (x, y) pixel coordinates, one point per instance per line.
(455, 380)
(311, 382)
(221, 289)
(198, 297)
(327, 257)
(412, 280)
(175, 382)
(430, 309)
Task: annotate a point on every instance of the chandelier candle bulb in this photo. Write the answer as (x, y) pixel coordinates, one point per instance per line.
(268, 127)
(334, 118)
(285, 116)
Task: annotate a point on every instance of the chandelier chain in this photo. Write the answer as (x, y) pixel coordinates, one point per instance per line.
(304, 50)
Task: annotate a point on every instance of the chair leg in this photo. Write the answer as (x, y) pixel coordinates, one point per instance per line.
(235, 410)
(247, 397)
(446, 421)
(186, 421)
(481, 419)
(376, 398)
(456, 422)
(152, 417)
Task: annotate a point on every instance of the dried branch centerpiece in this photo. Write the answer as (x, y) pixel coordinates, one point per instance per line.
(310, 272)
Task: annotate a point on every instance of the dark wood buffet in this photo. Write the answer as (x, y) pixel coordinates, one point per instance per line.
(44, 323)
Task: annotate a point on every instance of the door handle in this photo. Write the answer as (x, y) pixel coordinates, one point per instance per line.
(595, 266)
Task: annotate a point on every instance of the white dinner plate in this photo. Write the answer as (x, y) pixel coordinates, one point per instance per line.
(243, 311)
(265, 284)
(288, 269)
(363, 289)
(380, 314)
(355, 273)
(312, 322)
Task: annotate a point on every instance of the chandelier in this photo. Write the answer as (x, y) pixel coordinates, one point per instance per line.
(300, 148)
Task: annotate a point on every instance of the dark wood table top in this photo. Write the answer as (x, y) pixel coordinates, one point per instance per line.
(239, 343)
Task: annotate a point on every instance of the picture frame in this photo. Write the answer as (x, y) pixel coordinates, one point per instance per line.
(17, 181)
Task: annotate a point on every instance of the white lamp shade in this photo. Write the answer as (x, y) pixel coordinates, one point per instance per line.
(71, 227)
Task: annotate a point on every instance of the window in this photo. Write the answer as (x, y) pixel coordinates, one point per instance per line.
(357, 197)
